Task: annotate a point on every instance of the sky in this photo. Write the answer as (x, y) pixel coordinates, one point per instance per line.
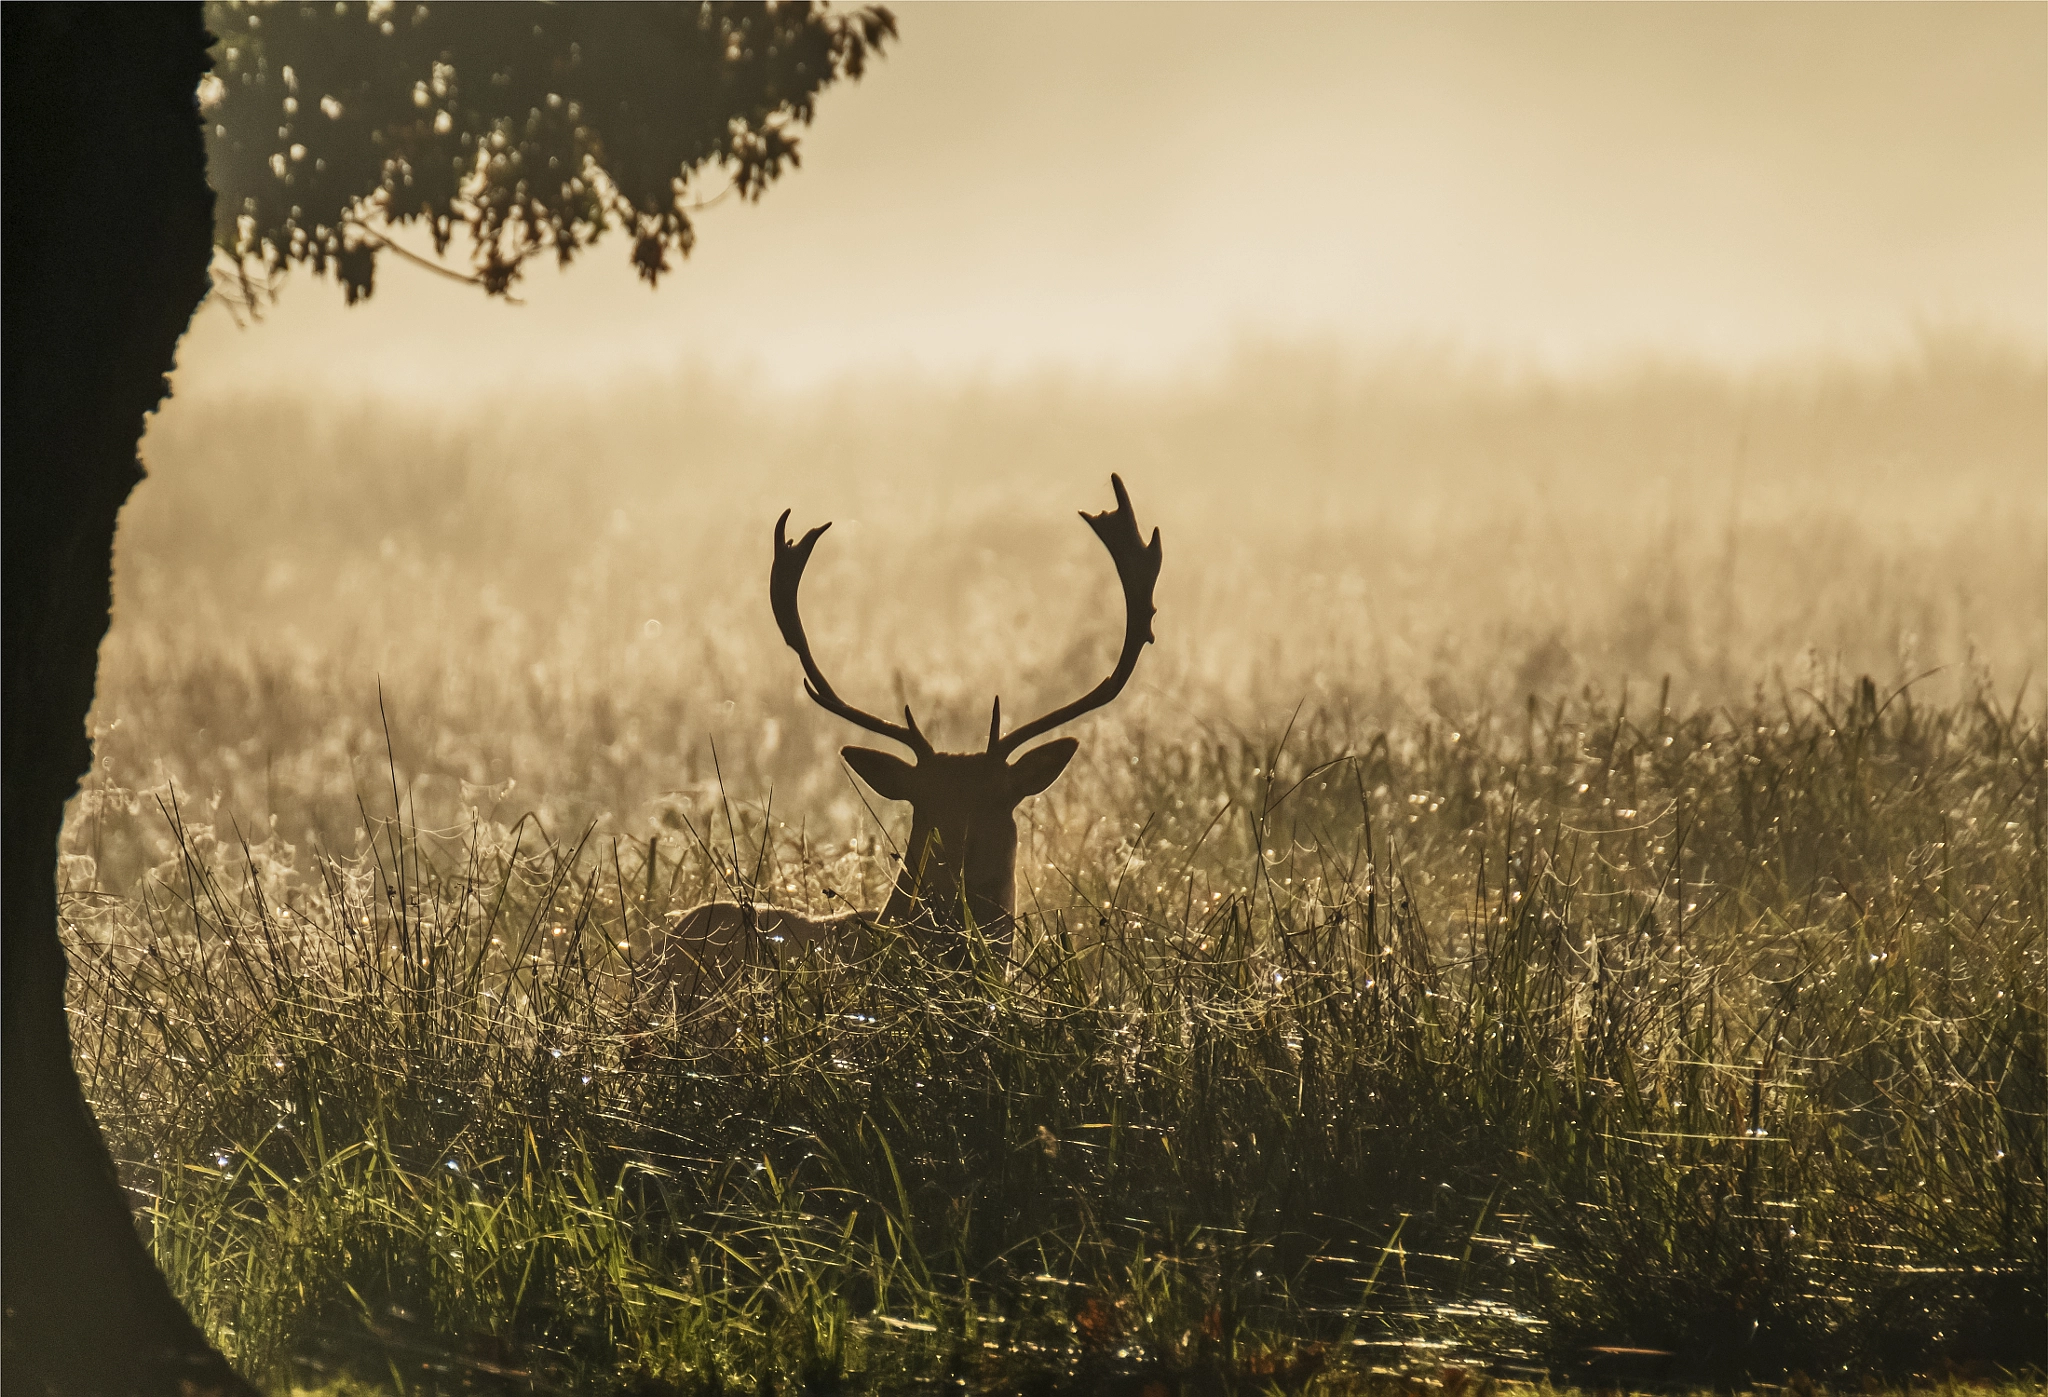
(1135, 189)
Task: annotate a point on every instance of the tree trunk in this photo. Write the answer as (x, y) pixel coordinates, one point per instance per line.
(107, 232)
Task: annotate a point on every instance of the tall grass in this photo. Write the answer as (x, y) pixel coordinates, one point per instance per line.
(1578, 1027)
(1499, 925)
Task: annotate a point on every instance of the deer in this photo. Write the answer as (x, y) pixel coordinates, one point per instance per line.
(959, 870)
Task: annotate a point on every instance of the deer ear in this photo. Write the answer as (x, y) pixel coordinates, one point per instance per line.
(1040, 767)
(890, 776)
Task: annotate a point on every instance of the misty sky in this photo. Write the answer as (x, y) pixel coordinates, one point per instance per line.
(1132, 188)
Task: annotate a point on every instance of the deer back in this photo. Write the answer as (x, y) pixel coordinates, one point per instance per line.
(712, 942)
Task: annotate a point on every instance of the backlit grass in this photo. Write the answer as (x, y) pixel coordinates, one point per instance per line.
(1713, 1034)
(1501, 931)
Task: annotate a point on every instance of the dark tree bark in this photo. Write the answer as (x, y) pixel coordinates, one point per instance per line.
(107, 233)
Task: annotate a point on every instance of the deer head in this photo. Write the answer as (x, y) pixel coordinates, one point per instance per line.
(963, 831)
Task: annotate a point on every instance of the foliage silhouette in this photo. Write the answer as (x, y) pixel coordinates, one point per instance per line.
(537, 129)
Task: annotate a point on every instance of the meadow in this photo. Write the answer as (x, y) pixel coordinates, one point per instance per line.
(1562, 899)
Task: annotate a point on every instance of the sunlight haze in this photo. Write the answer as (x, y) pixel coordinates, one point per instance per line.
(1136, 188)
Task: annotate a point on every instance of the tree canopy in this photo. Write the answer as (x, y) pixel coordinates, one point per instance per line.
(536, 128)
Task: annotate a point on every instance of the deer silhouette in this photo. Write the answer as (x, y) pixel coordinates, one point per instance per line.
(960, 867)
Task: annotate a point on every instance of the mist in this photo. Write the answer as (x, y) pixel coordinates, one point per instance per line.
(1466, 358)
(562, 603)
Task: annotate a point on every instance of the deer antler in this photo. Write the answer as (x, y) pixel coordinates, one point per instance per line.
(1137, 566)
(783, 580)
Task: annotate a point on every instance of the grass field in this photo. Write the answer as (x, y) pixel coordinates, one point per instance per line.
(1564, 896)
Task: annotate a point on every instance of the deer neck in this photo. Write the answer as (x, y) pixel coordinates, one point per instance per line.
(975, 861)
